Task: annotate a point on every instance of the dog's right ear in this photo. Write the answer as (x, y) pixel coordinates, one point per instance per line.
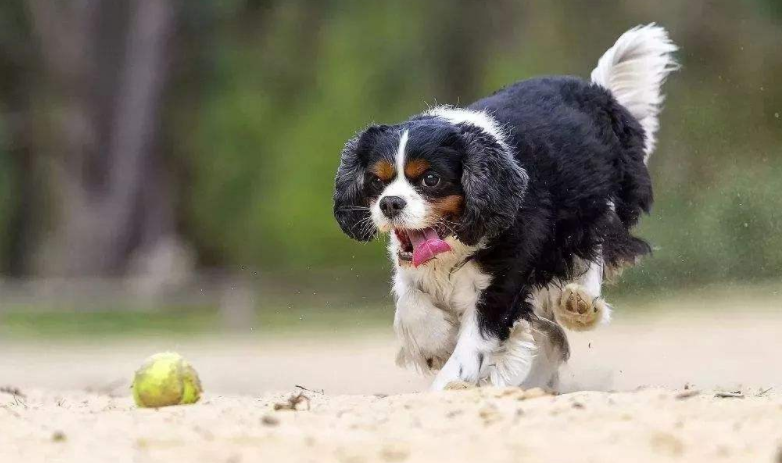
(494, 186)
(351, 202)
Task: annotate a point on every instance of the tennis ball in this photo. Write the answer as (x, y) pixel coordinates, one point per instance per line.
(166, 379)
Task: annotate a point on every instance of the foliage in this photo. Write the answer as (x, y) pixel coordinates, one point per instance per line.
(289, 89)
(267, 91)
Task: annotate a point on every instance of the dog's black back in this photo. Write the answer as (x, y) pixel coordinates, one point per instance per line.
(588, 183)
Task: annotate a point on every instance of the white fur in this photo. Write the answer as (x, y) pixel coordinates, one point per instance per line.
(634, 70)
(480, 119)
(512, 364)
(469, 359)
(400, 153)
(430, 301)
(436, 318)
(592, 278)
(426, 332)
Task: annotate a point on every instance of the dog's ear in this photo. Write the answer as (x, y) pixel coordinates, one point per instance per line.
(494, 185)
(351, 203)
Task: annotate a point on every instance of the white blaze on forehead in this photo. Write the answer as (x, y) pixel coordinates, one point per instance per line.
(400, 155)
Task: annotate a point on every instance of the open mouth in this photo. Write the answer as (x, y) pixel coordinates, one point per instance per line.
(420, 246)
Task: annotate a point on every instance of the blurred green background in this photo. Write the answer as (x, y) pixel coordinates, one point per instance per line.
(169, 138)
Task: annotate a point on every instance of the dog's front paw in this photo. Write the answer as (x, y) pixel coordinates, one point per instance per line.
(580, 311)
(459, 368)
(445, 381)
(459, 386)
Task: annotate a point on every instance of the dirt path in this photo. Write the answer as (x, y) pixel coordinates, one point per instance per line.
(59, 420)
(458, 426)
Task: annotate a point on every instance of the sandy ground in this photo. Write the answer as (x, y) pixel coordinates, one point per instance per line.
(76, 408)
(475, 425)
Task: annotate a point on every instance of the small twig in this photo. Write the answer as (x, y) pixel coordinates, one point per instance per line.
(764, 392)
(729, 395)
(293, 402)
(16, 394)
(687, 394)
(14, 391)
(322, 391)
(18, 400)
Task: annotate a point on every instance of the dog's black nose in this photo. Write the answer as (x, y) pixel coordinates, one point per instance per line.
(392, 206)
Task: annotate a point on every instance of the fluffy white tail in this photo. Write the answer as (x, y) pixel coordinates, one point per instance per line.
(634, 70)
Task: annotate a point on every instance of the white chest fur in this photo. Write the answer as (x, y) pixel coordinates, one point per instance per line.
(430, 301)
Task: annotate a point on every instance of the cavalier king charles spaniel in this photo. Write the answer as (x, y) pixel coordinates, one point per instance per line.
(505, 216)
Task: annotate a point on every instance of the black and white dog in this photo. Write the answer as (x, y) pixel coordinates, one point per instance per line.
(505, 216)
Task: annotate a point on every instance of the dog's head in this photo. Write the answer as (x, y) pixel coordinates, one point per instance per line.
(446, 174)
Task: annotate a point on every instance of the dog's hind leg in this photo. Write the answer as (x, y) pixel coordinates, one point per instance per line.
(552, 351)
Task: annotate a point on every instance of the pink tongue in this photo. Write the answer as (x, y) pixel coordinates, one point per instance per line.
(426, 245)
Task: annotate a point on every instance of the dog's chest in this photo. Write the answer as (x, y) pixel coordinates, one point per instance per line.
(454, 288)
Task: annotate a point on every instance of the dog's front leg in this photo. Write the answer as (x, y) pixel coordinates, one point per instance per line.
(468, 361)
(427, 333)
(484, 332)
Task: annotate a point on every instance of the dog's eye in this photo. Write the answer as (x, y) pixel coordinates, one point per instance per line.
(377, 183)
(430, 180)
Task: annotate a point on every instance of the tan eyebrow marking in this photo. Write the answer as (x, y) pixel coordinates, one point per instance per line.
(384, 170)
(416, 167)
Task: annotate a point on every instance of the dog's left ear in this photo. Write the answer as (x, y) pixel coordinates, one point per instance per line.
(494, 185)
(351, 205)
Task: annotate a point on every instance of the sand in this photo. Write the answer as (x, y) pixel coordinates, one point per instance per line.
(651, 425)
(649, 389)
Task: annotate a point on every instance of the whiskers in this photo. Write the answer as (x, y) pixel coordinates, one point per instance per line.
(365, 226)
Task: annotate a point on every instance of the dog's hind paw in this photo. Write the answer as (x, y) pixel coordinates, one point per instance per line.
(580, 311)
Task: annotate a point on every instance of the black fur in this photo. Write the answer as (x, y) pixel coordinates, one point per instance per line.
(488, 210)
(352, 191)
(351, 205)
(538, 201)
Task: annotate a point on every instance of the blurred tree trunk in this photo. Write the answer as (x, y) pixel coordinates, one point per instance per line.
(16, 73)
(108, 64)
(460, 57)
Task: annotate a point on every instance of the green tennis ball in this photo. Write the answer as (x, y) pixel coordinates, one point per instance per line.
(166, 379)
